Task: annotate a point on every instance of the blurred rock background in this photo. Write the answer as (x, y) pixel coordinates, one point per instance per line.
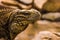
(50, 18)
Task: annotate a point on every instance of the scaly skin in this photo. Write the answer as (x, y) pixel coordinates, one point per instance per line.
(14, 21)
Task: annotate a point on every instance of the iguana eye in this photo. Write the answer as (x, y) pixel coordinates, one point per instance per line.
(26, 13)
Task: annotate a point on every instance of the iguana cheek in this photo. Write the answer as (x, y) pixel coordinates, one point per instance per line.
(18, 26)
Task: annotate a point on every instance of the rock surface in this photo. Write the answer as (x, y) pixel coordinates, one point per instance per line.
(15, 4)
(26, 1)
(52, 16)
(45, 35)
(52, 6)
(39, 3)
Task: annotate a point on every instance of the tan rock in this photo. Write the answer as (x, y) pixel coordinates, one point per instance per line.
(15, 4)
(39, 3)
(25, 6)
(51, 16)
(45, 35)
(26, 1)
(52, 5)
(10, 3)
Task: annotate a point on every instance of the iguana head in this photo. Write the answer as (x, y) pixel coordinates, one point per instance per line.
(20, 19)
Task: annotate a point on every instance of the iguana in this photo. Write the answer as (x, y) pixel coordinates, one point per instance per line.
(14, 21)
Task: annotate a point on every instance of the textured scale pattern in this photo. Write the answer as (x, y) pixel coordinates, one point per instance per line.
(13, 21)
